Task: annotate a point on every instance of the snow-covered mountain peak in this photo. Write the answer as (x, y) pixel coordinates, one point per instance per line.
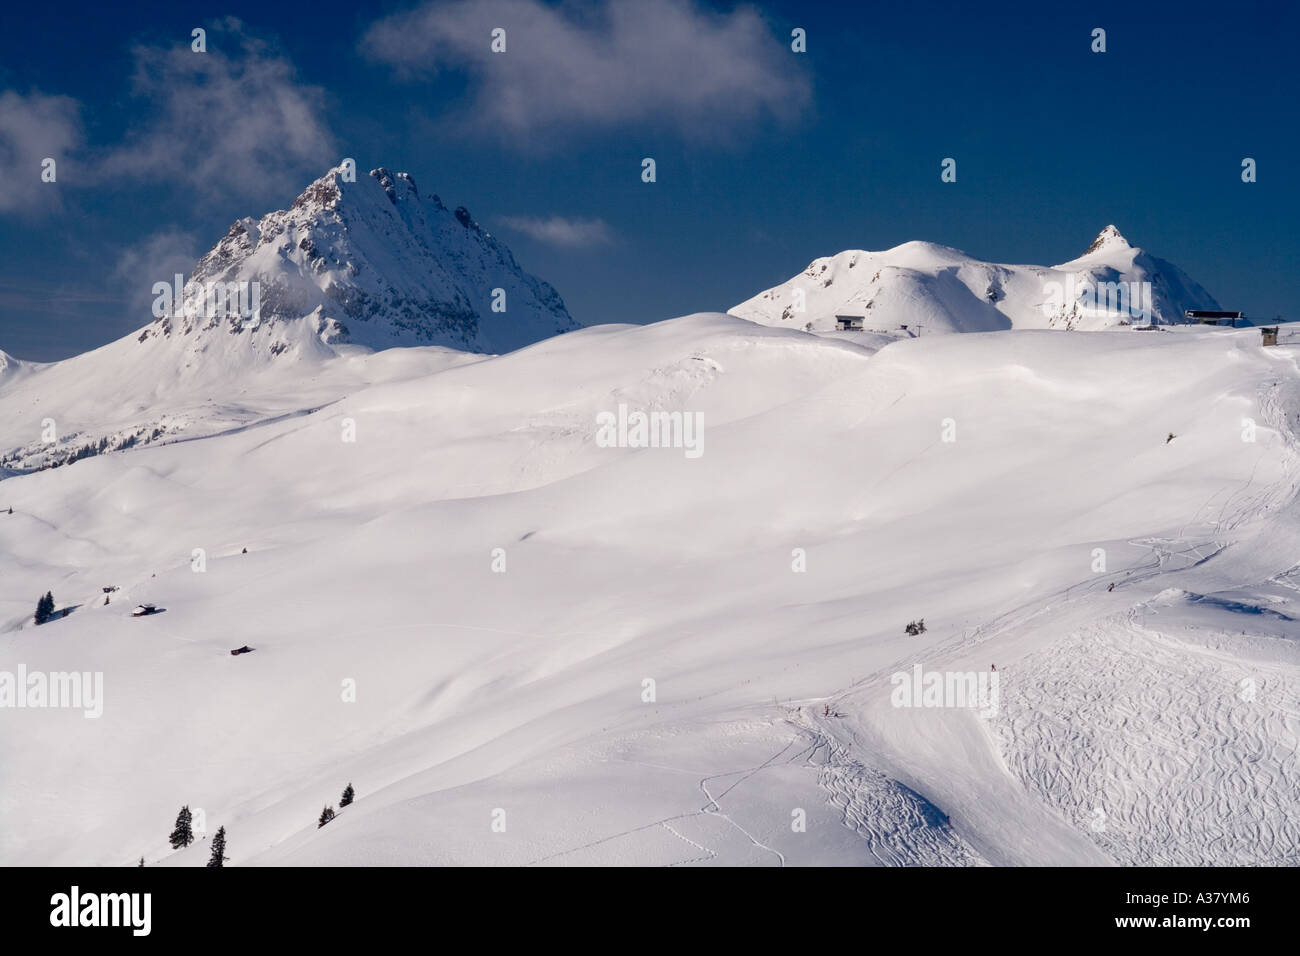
(1108, 238)
(365, 260)
(924, 286)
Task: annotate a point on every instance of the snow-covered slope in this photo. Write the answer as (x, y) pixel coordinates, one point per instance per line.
(348, 268)
(523, 647)
(933, 288)
(125, 395)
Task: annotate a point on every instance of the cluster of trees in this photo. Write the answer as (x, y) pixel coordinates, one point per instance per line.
(328, 814)
(98, 448)
(45, 608)
(86, 451)
(915, 627)
(182, 834)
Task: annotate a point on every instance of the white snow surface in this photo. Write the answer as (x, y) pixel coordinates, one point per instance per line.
(1153, 723)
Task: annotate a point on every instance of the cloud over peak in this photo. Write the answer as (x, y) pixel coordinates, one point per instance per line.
(234, 120)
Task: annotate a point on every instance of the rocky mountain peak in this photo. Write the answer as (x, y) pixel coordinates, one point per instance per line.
(1108, 238)
(369, 262)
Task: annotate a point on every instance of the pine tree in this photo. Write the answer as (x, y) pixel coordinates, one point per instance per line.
(348, 794)
(141, 861)
(45, 608)
(182, 836)
(219, 848)
(326, 816)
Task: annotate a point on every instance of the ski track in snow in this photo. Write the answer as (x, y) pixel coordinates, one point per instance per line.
(711, 809)
(715, 808)
(900, 827)
(1159, 739)
(709, 854)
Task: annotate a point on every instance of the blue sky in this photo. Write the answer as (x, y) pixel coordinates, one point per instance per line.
(766, 158)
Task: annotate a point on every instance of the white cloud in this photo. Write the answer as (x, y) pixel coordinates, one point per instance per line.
(559, 231)
(663, 63)
(234, 121)
(156, 258)
(32, 129)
